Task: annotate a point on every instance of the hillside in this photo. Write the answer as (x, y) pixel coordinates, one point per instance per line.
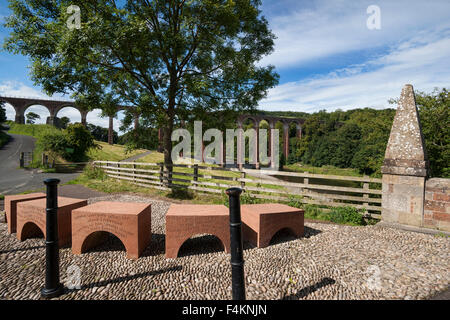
(105, 152)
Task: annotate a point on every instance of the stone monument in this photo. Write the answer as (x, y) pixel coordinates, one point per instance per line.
(405, 166)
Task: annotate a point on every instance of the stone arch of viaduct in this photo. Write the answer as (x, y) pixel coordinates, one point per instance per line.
(256, 119)
(20, 105)
(271, 120)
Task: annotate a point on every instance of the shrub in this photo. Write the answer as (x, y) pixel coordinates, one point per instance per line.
(54, 143)
(80, 140)
(71, 144)
(92, 172)
(312, 211)
(295, 201)
(348, 215)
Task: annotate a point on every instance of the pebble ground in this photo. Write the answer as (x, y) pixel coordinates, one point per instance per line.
(330, 262)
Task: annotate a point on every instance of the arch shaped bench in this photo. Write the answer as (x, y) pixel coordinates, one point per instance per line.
(128, 221)
(262, 221)
(11, 207)
(184, 221)
(34, 212)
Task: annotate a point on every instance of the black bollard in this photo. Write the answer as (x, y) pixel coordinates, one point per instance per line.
(53, 288)
(237, 251)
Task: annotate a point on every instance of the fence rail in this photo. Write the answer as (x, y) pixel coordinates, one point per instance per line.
(327, 190)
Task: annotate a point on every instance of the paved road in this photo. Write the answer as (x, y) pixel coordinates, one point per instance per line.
(14, 180)
(138, 156)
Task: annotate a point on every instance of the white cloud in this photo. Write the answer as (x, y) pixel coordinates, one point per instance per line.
(16, 88)
(423, 64)
(327, 28)
(412, 46)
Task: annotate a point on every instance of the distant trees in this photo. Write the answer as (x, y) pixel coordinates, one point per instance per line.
(345, 139)
(101, 134)
(32, 117)
(358, 138)
(140, 138)
(63, 122)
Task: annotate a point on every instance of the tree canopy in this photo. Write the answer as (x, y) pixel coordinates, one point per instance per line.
(171, 60)
(32, 117)
(2, 112)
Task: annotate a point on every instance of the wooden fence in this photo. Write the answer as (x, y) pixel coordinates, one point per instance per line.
(326, 190)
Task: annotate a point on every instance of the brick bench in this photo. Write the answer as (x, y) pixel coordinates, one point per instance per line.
(11, 207)
(32, 214)
(184, 221)
(262, 221)
(130, 222)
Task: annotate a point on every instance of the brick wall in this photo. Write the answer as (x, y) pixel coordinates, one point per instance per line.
(437, 204)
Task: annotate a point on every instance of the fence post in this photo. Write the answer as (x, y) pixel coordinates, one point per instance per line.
(195, 172)
(366, 195)
(118, 170)
(237, 251)
(243, 182)
(53, 288)
(305, 181)
(134, 172)
(161, 174)
(21, 160)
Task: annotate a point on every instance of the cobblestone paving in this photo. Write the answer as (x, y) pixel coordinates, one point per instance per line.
(330, 262)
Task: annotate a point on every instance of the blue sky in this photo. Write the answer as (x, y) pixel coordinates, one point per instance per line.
(325, 54)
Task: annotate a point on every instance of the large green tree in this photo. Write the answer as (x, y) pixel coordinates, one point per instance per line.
(171, 59)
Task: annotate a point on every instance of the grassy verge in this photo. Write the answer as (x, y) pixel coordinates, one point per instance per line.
(113, 152)
(331, 170)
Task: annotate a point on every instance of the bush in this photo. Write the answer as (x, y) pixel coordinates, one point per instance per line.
(80, 140)
(92, 172)
(54, 143)
(295, 201)
(347, 215)
(71, 144)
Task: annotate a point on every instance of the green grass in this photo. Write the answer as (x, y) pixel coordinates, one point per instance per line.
(34, 130)
(154, 157)
(330, 170)
(113, 152)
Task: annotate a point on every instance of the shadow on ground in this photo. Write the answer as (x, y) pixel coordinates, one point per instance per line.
(200, 245)
(123, 279)
(310, 289)
(22, 249)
